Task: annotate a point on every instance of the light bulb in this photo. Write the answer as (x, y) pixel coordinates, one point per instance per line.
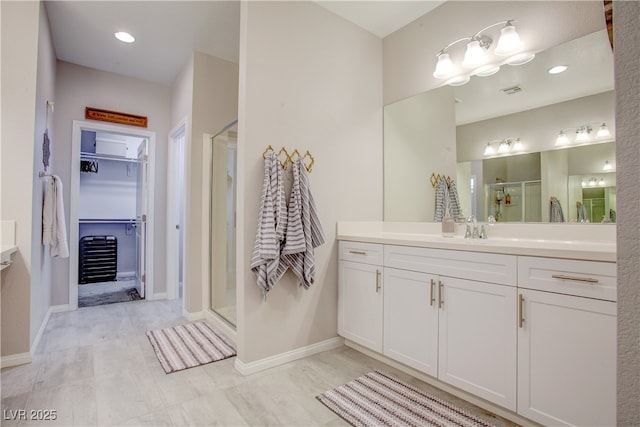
(518, 145)
(603, 132)
(592, 182)
(607, 166)
(486, 70)
(489, 151)
(458, 81)
(562, 139)
(503, 147)
(474, 56)
(584, 184)
(444, 67)
(582, 134)
(509, 42)
(601, 182)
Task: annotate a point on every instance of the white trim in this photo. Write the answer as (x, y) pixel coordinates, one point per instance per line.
(220, 324)
(205, 224)
(289, 356)
(74, 189)
(192, 317)
(173, 281)
(15, 360)
(59, 308)
(43, 326)
(158, 296)
(498, 410)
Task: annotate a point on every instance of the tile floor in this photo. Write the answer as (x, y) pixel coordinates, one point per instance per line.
(95, 366)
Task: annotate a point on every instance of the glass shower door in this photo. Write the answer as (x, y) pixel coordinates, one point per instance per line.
(222, 241)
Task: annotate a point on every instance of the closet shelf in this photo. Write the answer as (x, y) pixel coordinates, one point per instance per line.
(106, 221)
(93, 156)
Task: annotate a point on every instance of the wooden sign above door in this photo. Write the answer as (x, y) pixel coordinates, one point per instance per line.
(115, 117)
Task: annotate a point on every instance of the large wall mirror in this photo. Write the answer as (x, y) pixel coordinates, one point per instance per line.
(446, 132)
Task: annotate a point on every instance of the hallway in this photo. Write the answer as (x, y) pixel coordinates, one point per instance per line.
(95, 366)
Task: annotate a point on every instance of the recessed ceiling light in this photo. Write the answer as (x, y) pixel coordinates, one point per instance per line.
(557, 69)
(123, 36)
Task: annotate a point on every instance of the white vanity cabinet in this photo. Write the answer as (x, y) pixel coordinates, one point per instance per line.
(567, 341)
(411, 319)
(360, 293)
(443, 317)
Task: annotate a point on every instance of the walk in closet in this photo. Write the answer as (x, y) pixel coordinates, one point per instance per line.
(109, 166)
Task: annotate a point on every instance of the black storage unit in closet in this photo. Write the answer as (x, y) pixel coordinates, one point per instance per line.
(98, 259)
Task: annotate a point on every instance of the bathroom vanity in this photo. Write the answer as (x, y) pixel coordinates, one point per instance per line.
(526, 323)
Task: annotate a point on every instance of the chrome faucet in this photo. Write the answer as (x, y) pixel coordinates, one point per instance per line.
(472, 228)
(472, 231)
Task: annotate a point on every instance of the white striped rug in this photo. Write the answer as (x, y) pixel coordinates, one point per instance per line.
(186, 346)
(381, 399)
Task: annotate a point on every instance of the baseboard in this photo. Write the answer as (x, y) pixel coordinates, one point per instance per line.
(289, 356)
(43, 326)
(15, 360)
(222, 326)
(489, 406)
(59, 308)
(158, 296)
(191, 317)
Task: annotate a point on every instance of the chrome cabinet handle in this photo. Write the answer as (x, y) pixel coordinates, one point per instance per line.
(432, 298)
(574, 278)
(377, 280)
(520, 310)
(6, 263)
(440, 290)
(358, 252)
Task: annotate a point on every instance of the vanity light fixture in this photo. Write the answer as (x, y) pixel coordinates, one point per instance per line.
(583, 134)
(592, 182)
(607, 166)
(125, 37)
(476, 57)
(505, 146)
(601, 182)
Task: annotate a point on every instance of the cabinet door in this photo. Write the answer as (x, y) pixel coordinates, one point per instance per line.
(567, 360)
(360, 304)
(411, 319)
(478, 338)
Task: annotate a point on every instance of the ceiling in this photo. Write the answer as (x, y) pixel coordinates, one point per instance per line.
(167, 32)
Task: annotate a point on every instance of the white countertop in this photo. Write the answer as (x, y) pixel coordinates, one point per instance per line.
(537, 240)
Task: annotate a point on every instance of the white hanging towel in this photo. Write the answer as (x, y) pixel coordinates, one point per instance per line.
(54, 230)
(272, 224)
(304, 231)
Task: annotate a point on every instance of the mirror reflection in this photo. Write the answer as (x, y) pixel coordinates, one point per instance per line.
(446, 131)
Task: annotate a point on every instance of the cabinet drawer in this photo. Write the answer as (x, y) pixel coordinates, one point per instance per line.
(591, 279)
(368, 253)
(483, 267)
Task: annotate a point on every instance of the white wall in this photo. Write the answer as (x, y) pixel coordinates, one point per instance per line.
(20, 25)
(410, 53)
(627, 70)
(78, 87)
(419, 140)
(312, 81)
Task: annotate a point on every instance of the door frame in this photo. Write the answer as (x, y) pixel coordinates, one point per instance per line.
(74, 200)
(172, 269)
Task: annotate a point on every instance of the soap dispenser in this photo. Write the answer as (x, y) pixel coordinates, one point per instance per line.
(448, 226)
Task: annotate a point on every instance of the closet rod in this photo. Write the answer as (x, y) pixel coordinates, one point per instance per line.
(87, 156)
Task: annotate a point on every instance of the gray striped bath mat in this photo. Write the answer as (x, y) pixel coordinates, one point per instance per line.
(380, 399)
(186, 346)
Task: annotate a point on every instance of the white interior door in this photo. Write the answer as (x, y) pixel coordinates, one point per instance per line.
(141, 218)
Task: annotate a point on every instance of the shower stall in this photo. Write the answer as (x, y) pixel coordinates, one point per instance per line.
(222, 220)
